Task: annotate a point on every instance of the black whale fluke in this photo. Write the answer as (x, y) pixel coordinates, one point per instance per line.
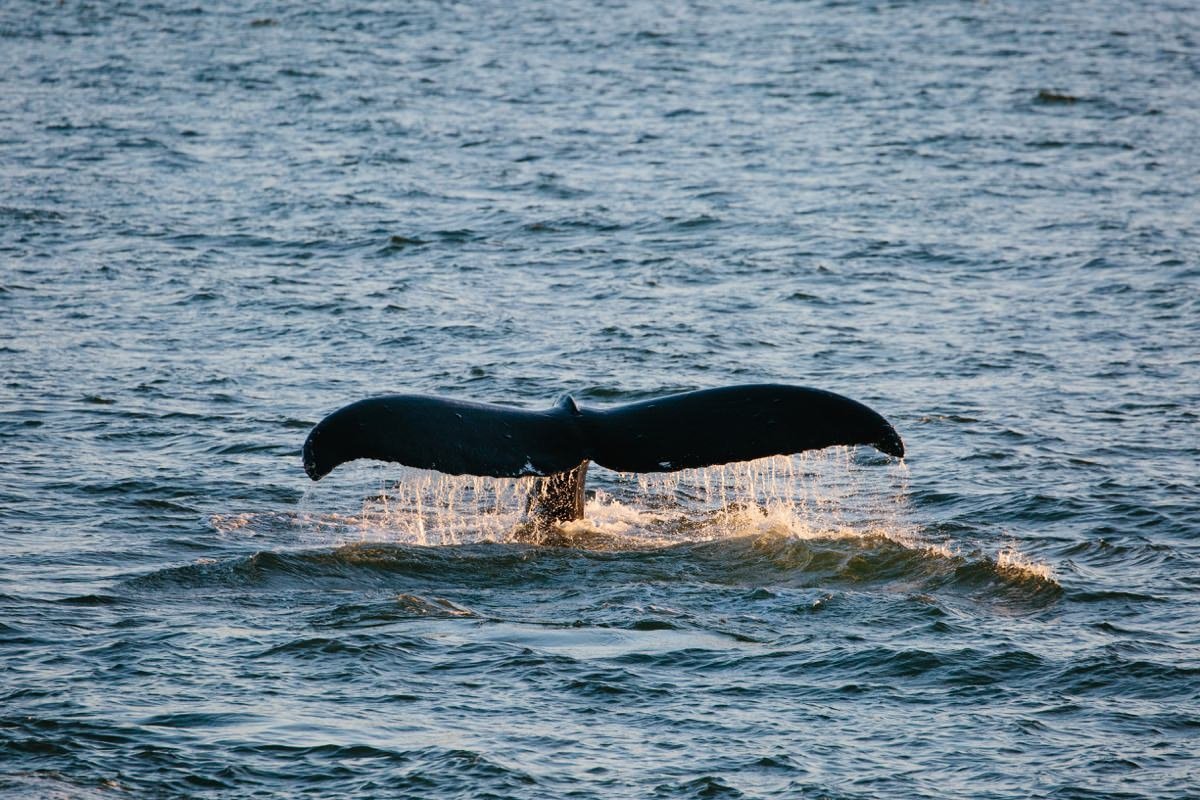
(681, 431)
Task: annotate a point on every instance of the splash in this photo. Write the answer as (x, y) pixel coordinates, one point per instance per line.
(1015, 563)
(810, 495)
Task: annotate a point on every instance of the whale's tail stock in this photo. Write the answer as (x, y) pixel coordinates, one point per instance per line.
(681, 431)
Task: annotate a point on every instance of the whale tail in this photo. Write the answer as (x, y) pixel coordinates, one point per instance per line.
(682, 431)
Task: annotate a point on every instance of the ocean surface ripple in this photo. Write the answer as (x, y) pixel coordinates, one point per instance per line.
(219, 222)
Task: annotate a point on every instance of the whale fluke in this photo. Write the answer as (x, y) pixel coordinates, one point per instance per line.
(681, 431)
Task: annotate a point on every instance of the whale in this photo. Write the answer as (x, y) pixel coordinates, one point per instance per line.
(665, 434)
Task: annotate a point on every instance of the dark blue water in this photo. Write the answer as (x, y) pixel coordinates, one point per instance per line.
(219, 222)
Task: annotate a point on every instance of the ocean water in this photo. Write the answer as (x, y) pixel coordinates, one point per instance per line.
(221, 221)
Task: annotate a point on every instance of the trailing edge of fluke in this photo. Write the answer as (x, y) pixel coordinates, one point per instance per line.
(681, 431)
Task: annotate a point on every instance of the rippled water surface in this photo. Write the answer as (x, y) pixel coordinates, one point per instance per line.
(219, 222)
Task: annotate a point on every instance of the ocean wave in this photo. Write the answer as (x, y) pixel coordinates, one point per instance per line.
(845, 560)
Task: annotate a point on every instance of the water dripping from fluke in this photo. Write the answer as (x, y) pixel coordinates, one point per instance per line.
(817, 494)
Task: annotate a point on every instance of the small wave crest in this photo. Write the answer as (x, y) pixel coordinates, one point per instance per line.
(1012, 561)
